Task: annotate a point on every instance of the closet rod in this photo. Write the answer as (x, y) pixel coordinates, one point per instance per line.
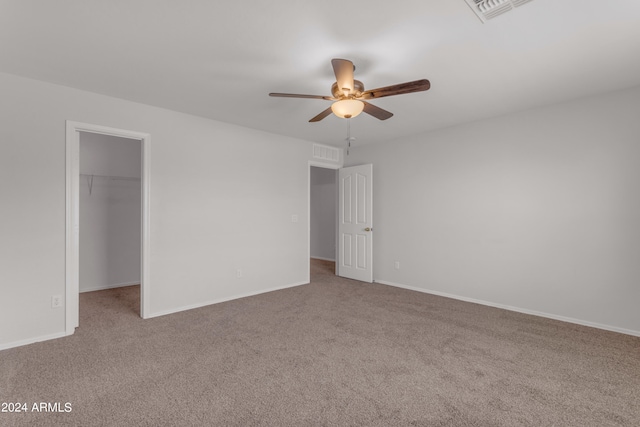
(123, 178)
(113, 177)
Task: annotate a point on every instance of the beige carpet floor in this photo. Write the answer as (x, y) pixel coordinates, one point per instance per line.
(336, 352)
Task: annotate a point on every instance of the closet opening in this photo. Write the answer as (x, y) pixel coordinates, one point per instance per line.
(110, 220)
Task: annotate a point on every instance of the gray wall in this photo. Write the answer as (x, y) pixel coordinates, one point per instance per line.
(110, 201)
(537, 211)
(323, 213)
(221, 198)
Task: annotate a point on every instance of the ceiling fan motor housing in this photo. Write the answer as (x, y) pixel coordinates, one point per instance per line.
(358, 88)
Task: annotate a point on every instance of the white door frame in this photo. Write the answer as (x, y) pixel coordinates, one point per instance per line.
(325, 166)
(72, 243)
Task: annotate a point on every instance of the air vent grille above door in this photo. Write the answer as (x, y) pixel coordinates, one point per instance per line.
(488, 9)
(324, 152)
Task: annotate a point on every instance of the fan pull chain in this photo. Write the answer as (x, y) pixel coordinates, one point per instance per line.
(349, 137)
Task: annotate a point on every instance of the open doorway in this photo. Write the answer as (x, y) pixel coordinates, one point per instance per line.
(110, 216)
(323, 214)
(92, 181)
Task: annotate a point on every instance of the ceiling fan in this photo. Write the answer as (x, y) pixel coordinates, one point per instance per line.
(350, 97)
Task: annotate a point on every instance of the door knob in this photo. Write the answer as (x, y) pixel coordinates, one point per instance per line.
(368, 229)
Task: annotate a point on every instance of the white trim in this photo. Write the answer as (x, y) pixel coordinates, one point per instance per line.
(72, 241)
(112, 286)
(323, 258)
(72, 271)
(516, 309)
(219, 300)
(28, 341)
(145, 231)
(320, 164)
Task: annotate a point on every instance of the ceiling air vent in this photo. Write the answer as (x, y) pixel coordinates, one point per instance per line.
(488, 9)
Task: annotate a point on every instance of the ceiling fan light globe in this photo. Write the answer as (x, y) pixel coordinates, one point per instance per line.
(347, 108)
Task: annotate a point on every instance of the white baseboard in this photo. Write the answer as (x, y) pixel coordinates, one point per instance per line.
(101, 288)
(516, 309)
(217, 301)
(33, 340)
(322, 258)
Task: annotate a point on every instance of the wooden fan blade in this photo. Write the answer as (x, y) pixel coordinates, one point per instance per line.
(321, 116)
(343, 69)
(295, 95)
(376, 112)
(399, 89)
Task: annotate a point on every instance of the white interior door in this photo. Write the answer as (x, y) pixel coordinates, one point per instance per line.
(355, 223)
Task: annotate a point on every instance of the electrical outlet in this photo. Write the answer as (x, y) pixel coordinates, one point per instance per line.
(294, 218)
(397, 265)
(238, 273)
(56, 301)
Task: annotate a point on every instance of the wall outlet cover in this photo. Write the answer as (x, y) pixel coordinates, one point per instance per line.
(56, 301)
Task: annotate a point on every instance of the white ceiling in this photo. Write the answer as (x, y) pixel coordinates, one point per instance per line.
(220, 59)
